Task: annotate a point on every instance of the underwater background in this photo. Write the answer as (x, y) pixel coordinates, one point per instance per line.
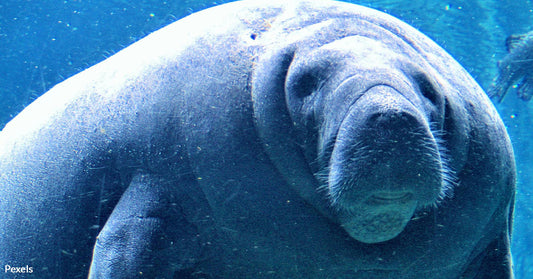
(44, 42)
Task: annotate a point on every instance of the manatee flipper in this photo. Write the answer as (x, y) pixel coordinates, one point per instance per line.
(525, 88)
(514, 68)
(493, 262)
(147, 235)
(496, 262)
(498, 88)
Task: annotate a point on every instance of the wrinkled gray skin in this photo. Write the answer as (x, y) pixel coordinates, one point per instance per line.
(516, 68)
(262, 139)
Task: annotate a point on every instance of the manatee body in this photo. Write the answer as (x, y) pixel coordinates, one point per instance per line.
(262, 139)
(516, 68)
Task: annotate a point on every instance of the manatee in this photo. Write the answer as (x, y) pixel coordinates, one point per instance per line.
(515, 69)
(262, 139)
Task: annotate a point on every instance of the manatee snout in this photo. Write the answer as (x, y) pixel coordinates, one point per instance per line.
(384, 165)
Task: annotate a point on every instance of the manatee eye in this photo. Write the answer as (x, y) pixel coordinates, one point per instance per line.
(435, 108)
(306, 83)
(448, 120)
(428, 89)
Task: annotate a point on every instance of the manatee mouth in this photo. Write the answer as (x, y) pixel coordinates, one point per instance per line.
(390, 197)
(381, 221)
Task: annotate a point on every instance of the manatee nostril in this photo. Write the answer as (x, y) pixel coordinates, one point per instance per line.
(391, 119)
(375, 117)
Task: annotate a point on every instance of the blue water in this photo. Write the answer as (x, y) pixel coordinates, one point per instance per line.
(44, 42)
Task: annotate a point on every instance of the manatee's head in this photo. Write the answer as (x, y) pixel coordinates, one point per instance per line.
(383, 164)
(368, 121)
